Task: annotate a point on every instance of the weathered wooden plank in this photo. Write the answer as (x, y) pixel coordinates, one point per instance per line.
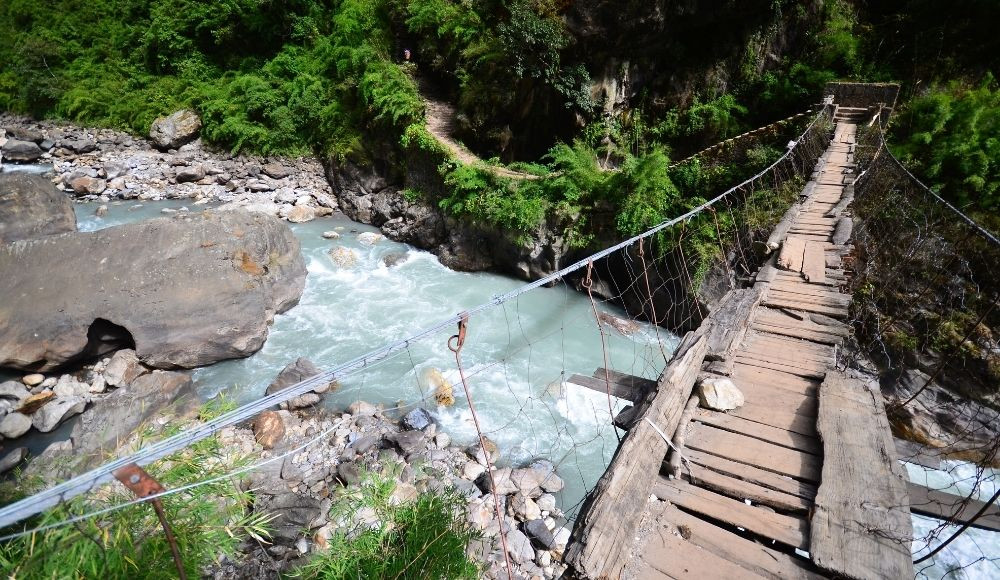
(606, 525)
(947, 506)
(861, 526)
(752, 474)
(739, 489)
(800, 358)
(815, 371)
(774, 435)
(643, 384)
(781, 230)
(800, 333)
(668, 556)
(776, 318)
(778, 417)
(747, 553)
(621, 391)
(818, 351)
(835, 311)
(790, 257)
(832, 300)
(754, 452)
(730, 321)
(770, 378)
(814, 263)
(788, 530)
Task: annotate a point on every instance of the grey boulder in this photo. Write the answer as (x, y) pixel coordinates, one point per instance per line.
(183, 291)
(175, 130)
(30, 207)
(55, 412)
(21, 151)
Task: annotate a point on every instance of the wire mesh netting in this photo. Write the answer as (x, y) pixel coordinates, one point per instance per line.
(539, 375)
(925, 293)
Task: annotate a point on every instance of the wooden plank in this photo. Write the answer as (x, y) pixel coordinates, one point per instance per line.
(947, 506)
(804, 288)
(748, 554)
(793, 383)
(642, 384)
(668, 556)
(918, 454)
(780, 231)
(742, 490)
(790, 257)
(830, 299)
(861, 527)
(843, 232)
(777, 318)
(788, 530)
(813, 371)
(606, 525)
(800, 333)
(781, 418)
(628, 393)
(835, 311)
(814, 350)
(794, 356)
(752, 474)
(754, 452)
(775, 435)
(814, 263)
(730, 321)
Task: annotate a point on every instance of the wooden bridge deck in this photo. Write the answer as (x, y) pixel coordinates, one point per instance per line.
(800, 481)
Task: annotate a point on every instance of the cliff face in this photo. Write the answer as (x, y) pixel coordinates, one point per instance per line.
(666, 52)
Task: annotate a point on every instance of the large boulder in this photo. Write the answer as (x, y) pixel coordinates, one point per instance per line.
(175, 130)
(30, 206)
(293, 374)
(21, 151)
(182, 291)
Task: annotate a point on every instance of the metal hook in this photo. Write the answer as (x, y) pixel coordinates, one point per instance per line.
(459, 339)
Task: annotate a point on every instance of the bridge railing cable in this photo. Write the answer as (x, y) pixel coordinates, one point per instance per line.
(529, 357)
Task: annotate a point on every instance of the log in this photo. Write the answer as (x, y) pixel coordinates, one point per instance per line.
(606, 524)
(861, 526)
(781, 230)
(674, 463)
(730, 322)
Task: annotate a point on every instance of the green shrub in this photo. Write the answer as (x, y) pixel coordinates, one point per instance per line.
(423, 538)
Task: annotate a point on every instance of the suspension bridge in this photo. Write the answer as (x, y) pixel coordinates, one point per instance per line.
(803, 479)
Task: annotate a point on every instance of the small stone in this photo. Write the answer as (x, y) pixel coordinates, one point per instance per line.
(13, 390)
(88, 185)
(349, 473)
(472, 470)
(418, 419)
(302, 401)
(364, 444)
(101, 211)
(302, 546)
(192, 173)
(546, 502)
(719, 394)
(442, 440)
(35, 402)
(410, 441)
(98, 385)
(123, 368)
(301, 214)
(561, 538)
(541, 534)
(404, 493)
(331, 235)
(362, 408)
(321, 538)
(369, 238)
(268, 429)
(11, 460)
(524, 508)
(344, 257)
(14, 425)
(50, 416)
(33, 379)
(519, 547)
(276, 170)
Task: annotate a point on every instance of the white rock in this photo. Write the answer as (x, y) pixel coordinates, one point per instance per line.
(524, 507)
(562, 538)
(519, 546)
(98, 385)
(472, 470)
(14, 425)
(344, 257)
(331, 235)
(719, 394)
(56, 411)
(302, 546)
(369, 238)
(13, 390)
(32, 379)
(546, 502)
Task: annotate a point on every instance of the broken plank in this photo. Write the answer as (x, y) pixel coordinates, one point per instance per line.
(782, 418)
(749, 554)
(947, 506)
(803, 333)
(814, 263)
(643, 384)
(774, 435)
(835, 311)
(621, 391)
(790, 257)
(788, 530)
(861, 527)
(739, 489)
(754, 452)
(752, 474)
(668, 556)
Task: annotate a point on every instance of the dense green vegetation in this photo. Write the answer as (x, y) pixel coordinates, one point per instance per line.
(128, 543)
(328, 77)
(421, 538)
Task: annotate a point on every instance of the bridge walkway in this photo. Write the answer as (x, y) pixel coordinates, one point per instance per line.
(801, 480)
